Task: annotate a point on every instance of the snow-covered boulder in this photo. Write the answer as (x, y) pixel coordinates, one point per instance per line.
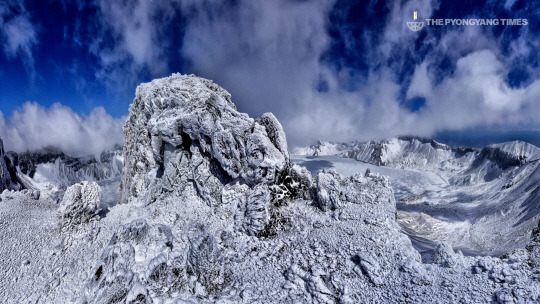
(138, 261)
(335, 191)
(183, 132)
(80, 203)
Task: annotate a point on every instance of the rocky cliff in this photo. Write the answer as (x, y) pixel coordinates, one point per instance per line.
(8, 178)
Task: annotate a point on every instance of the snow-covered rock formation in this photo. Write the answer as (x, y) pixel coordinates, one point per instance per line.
(456, 195)
(409, 152)
(427, 154)
(323, 148)
(184, 134)
(8, 178)
(80, 203)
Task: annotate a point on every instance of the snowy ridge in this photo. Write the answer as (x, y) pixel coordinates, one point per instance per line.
(212, 211)
(403, 152)
(408, 152)
(457, 195)
(322, 148)
(519, 149)
(425, 154)
(52, 168)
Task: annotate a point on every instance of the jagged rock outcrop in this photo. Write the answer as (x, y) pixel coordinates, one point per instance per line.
(8, 178)
(80, 203)
(184, 134)
(185, 131)
(334, 191)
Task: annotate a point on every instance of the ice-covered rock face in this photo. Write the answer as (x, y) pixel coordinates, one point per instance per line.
(80, 203)
(138, 260)
(7, 170)
(4, 174)
(184, 133)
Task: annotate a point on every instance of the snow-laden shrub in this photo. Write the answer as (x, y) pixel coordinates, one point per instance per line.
(80, 203)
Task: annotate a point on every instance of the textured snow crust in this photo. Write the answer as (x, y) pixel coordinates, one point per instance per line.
(212, 211)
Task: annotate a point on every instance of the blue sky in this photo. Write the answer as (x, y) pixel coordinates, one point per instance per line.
(328, 69)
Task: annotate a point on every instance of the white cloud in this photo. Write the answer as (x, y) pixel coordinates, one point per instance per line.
(33, 127)
(268, 55)
(509, 3)
(137, 46)
(18, 34)
(478, 95)
(421, 82)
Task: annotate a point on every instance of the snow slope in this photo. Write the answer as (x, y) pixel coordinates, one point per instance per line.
(457, 195)
(212, 211)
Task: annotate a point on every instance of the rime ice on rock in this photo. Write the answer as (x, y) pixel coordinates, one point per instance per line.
(185, 131)
(138, 261)
(185, 135)
(80, 203)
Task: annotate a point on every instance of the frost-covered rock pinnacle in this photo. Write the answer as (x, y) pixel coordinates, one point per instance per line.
(184, 131)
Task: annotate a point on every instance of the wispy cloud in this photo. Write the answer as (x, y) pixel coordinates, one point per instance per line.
(268, 54)
(129, 43)
(18, 34)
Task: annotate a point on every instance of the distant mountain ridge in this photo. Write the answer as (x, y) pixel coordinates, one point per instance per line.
(480, 187)
(30, 169)
(424, 153)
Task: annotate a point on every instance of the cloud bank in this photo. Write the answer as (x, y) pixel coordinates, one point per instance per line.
(329, 69)
(268, 54)
(33, 127)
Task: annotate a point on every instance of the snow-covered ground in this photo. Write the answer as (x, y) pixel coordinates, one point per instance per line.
(405, 182)
(482, 218)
